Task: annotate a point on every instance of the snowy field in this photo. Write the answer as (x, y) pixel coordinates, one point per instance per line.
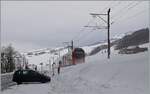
(122, 74)
(46, 58)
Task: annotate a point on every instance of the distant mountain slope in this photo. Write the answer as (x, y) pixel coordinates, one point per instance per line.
(121, 41)
(97, 49)
(136, 38)
(131, 39)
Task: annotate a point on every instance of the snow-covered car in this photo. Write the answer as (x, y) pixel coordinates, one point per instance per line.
(29, 75)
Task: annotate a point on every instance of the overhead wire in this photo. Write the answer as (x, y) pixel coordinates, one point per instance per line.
(123, 9)
(81, 35)
(106, 7)
(131, 17)
(78, 36)
(113, 6)
(119, 2)
(110, 4)
(81, 31)
(86, 36)
(129, 7)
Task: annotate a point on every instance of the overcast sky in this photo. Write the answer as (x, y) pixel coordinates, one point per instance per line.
(31, 25)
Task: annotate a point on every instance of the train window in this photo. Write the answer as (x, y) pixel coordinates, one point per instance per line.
(79, 53)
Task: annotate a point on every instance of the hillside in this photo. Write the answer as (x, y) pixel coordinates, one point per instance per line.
(129, 39)
(136, 38)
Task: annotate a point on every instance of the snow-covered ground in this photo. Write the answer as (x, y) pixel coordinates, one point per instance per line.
(88, 49)
(46, 58)
(122, 74)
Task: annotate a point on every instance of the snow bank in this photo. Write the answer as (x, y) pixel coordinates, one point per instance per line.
(144, 45)
(122, 74)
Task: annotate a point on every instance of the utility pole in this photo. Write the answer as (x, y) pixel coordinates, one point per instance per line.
(104, 27)
(72, 45)
(53, 59)
(41, 67)
(108, 16)
(59, 54)
(67, 43)
(49, 66)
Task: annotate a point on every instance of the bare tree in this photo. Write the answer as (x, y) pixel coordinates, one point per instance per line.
(7, 59)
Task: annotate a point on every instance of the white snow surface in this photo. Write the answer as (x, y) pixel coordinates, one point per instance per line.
(88, 49)
(121, 74)
(46, 58)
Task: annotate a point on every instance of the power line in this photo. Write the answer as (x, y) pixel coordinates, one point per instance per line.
(81, 31)
(111, 5)
(130, 17)
(86, 36)
(93, 28)
(129, 7)
(115, 5)
(122, 9)
(108, 26)
(91, 37)
(78, 35)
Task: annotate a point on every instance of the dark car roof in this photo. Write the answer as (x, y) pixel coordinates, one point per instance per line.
(26, 70)
(30, 70)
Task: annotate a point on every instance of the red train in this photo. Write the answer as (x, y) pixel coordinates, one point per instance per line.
(78, 56)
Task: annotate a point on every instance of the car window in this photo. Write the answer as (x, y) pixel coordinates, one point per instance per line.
(18, 72)
(33, 72)
(25, 72)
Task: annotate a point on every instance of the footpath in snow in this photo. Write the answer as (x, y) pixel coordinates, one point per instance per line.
(122, 74)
